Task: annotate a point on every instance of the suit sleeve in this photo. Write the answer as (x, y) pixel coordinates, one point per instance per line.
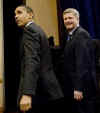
(82, 59)
(31, 62)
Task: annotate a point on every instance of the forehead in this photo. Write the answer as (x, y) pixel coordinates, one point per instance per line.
(20, 9)
(69, 15)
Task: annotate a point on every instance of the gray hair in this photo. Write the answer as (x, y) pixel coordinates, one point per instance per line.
(73, 11)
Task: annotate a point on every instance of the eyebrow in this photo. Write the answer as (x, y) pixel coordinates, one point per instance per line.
(19, 11)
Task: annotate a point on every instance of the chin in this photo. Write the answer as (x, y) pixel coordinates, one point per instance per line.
(69, 28)
(20, 25)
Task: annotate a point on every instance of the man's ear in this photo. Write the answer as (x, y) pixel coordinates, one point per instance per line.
(31, 15)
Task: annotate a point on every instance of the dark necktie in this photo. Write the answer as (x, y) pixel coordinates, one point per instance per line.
(69, 38)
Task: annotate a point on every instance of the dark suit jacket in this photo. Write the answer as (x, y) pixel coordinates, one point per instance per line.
(37, 76)
(80, 64)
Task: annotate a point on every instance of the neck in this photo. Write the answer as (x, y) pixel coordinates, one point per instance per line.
(72, 30)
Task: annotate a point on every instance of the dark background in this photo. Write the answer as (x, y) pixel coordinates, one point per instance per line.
(11, 56)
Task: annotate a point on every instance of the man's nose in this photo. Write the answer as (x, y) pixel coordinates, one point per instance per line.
(68, 20)
(16, 16)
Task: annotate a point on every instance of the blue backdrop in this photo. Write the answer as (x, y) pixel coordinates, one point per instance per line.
(89, 14)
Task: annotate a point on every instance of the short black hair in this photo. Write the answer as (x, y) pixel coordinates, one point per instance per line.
(28, 9)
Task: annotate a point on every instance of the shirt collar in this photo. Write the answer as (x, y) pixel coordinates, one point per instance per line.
(71, 32)
(28, 23)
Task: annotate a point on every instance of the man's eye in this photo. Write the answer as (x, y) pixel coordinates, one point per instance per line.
(19, 12)
(65, 18)
(70, 17)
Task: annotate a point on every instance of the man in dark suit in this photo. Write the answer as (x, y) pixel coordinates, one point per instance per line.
(38, 83)
(79, 64)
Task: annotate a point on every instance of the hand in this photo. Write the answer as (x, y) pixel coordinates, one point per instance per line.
(78, 95)
(25, 103)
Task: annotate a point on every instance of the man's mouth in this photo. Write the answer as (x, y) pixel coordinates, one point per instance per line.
(17, 21)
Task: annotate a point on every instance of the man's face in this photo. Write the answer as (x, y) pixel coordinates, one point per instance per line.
(21, 16)
(70, 21)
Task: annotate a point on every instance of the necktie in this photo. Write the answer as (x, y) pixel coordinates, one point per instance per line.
(69, 38)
